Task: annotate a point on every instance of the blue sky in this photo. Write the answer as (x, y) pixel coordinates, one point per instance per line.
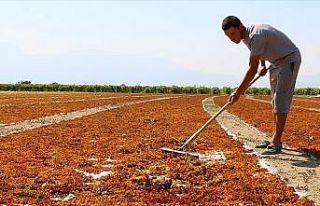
(145, 42)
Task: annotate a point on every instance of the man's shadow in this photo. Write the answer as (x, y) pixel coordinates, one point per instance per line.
(304, 157)
(312, 161)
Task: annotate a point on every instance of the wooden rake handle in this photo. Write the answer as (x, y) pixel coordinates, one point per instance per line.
(196, 134)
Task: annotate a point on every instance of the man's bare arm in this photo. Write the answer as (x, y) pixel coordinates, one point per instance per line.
(253, 67)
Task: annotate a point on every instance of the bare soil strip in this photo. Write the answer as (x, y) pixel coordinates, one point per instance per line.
(310, 99)
(62, 101)
(294, 167)
(23, 96)
(268, 102)
(18, 113)
(317, 97)
(53, 119)
(83, 99)
(295, 98)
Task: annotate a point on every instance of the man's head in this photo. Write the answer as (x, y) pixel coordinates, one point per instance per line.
(233, 28)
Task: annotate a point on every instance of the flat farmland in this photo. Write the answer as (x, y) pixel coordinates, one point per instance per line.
(16, 107)
(113, 157)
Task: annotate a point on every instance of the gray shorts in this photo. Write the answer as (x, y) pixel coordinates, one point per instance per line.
(283, 76)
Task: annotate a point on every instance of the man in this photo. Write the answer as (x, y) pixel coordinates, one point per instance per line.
(268, 44)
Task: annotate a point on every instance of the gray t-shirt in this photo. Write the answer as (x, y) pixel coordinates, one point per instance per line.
(268, 42)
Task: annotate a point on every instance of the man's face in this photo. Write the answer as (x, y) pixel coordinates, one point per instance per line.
(234, 34)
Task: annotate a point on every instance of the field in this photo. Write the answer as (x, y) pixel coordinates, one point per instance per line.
(104, 149)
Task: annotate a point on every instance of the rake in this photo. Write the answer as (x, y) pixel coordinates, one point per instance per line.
(181, 150)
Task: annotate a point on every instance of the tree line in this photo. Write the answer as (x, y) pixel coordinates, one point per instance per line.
(55, 87)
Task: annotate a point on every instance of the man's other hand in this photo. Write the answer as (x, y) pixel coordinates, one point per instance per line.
(234, 97)
(263, 71)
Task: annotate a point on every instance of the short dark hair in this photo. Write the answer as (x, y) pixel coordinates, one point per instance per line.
(230, 21)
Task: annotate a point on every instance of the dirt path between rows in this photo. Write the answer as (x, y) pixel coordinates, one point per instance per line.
(294, 167)
(268, 102)
(53, 119)
(73, 100)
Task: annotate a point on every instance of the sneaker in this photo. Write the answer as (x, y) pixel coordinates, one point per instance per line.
(272, 149)
(263, 144)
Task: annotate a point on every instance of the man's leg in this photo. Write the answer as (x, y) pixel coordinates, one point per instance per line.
(279, 121)
(273, 84)
(283, 84)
